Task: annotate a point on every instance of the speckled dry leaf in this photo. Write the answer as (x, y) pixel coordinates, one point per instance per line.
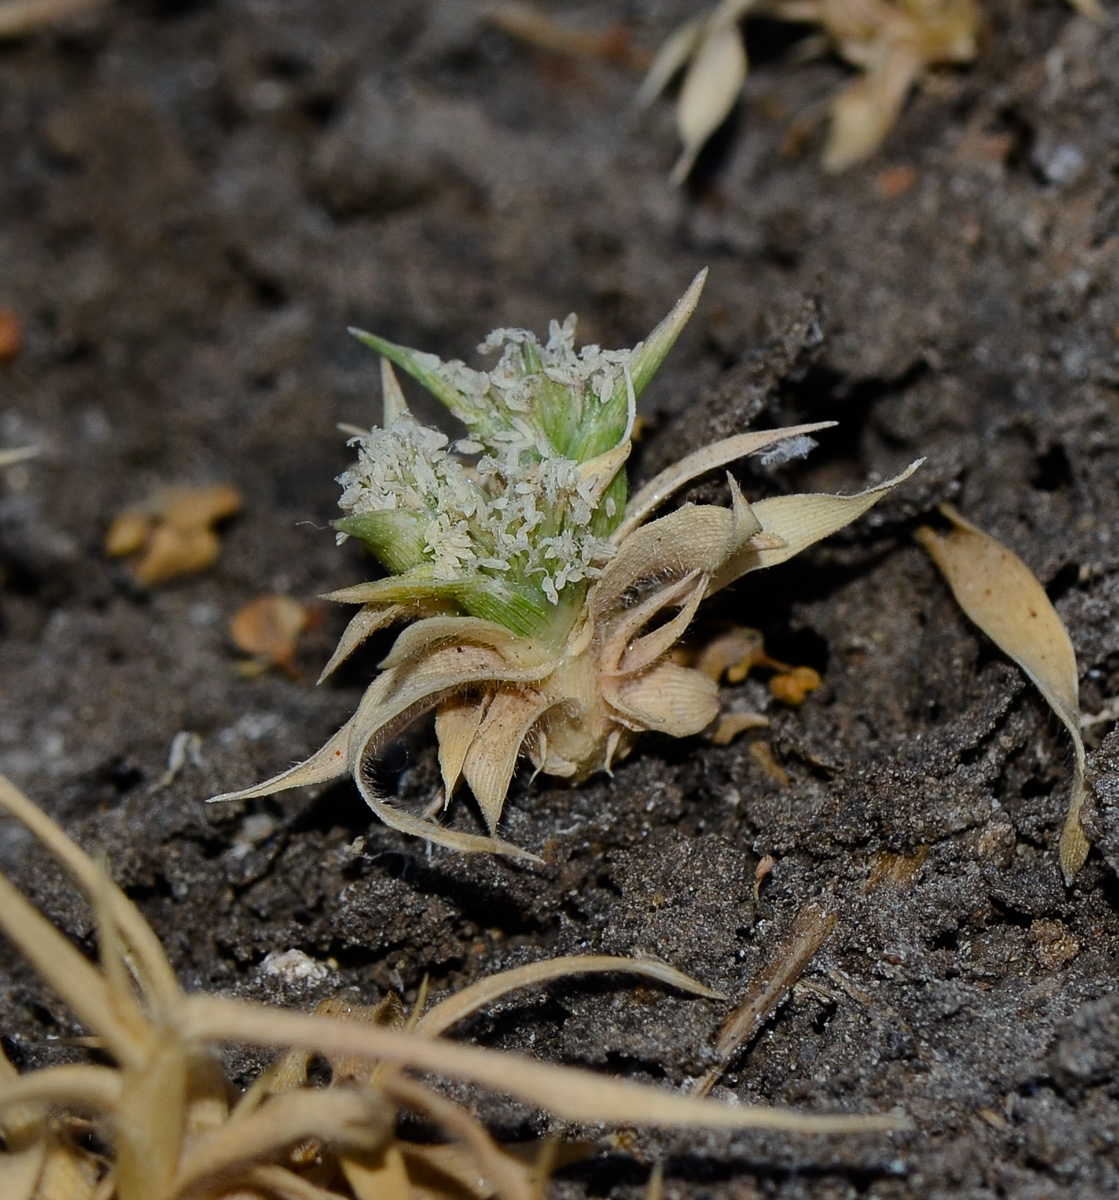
(268, 629)
(1003, 597)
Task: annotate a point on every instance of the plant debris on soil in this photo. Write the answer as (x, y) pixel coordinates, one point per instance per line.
(199, 196)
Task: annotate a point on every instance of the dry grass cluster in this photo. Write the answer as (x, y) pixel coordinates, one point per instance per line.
(164, 1121)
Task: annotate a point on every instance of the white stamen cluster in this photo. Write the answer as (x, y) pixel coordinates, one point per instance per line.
(522, 509)
(590, 370)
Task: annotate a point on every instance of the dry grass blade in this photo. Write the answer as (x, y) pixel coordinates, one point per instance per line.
(275, 1183)
(66, 971)
(811, 928)
(1003, 597)
(504, 1176)
(9, 458)
(351, 1120)
(20, 1170)
(165, 1109)
(154, 971)
(570, 1093)
(459, 1006)
(92, 1087)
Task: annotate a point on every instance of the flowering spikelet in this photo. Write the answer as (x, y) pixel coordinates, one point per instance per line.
(542, 603)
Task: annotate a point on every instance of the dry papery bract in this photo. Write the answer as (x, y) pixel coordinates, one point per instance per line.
(165, 1123)
(892, 43)
(1004, 598)
(545, 605)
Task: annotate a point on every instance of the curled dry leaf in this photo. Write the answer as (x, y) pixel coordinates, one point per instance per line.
(172, 534)
(1003, 597)
(267, 629)
(169, 1125)
(546, 607)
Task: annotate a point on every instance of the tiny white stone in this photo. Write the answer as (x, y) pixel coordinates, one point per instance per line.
(293, 966)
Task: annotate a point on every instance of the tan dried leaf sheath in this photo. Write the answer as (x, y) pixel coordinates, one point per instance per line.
(574, 692)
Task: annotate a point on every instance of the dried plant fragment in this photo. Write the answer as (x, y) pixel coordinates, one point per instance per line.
(546, 605)
(267, 629)
(895, 871)
(9, 458)
(21, 17)
(892, 42)
(811, 927)
(11, 335)
(174, 1128)
(526, 24)
(1003, 597)
(736, 653)
(714, 53)
(172, 534)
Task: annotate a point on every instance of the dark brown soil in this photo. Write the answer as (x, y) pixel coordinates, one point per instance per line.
(198, 198)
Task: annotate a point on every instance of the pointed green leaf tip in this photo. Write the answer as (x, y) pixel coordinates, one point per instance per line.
(644, 361)
(649, 354)
(428, 371)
